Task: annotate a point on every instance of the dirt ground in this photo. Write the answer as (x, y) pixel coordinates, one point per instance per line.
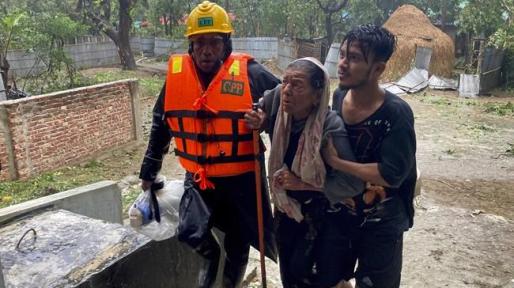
(463, 234)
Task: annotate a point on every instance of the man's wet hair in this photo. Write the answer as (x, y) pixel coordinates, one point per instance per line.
(373, 40)
(316, 74)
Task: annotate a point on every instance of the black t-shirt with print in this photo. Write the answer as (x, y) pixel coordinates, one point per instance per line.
(387, 137)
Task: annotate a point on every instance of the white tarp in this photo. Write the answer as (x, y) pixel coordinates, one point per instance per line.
(415, 80)
(441, 83)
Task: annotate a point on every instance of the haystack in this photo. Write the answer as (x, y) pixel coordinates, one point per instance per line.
(413, 28)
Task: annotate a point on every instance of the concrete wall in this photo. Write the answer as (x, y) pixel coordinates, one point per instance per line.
(84, 55)
(101, 51)
(45, 132)
(261, 48)
(286, 52)
(101, 200)
(87, 55)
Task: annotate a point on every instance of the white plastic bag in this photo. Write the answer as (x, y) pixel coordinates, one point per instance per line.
(141, 212)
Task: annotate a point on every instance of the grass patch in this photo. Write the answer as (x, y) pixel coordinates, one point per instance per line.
(436, 100)
(446, 101)
(482, 127)
(128, 197)
(14, 192)
(450, 151)
(502, 109)
(510, 151)
(150, 85)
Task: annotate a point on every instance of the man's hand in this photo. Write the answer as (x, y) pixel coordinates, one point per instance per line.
(146, 184)
(254, 119)
(329, 152)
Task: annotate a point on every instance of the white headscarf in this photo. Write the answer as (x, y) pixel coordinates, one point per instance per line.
(308, 162)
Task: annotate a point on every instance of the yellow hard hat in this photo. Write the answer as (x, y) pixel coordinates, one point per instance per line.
(208, 17)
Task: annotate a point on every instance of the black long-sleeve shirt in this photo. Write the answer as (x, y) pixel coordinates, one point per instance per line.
(260, 80)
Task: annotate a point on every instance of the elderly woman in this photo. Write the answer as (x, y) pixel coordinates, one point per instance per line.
(299, 122)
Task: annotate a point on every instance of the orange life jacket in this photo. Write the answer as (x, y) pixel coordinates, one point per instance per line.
(210, 137)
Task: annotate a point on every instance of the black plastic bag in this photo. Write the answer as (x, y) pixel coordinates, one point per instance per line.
(194, 216)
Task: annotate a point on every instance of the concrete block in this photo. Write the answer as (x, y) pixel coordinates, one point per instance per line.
(82, 252)
(101, 200)
(2, 283)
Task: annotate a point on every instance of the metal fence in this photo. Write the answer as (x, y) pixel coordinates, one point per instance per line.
(490, 76)
(490, 72)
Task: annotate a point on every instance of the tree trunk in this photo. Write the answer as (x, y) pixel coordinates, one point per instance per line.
(444, 15)
(4, 68)
(124, 49)
(120, 35)
(329, 28)
(165, 23)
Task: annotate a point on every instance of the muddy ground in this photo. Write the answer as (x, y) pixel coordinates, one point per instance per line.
(463, 234)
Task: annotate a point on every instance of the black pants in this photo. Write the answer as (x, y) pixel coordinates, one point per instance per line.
(233, 211)
(376, 243)
(298, 243)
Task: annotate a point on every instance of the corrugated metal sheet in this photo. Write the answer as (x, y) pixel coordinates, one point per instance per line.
(469, 85)
(415, 80)
(391, 87)
(332, 60)
(492, 59)
(3, 96)
(441, 83)
(423, 56)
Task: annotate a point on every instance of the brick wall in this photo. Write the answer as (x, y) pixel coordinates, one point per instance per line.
(4, 169)
(58, 129)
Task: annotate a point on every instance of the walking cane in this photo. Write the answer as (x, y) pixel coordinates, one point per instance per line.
(258, 188)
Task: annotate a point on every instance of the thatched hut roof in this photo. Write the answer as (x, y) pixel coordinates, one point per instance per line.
(413, 28)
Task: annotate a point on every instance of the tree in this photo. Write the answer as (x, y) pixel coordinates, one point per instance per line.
(98, 13)
(166, 16)
(503, 37)
(8, 26)
(329, 8)
(39, 27)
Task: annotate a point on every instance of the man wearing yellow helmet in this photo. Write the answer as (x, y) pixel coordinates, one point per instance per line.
(205, 106)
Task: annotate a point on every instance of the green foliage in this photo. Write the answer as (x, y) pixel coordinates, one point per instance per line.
(9, 28)
(44, 32)
(501, 109)
(482, 17)
(164, 17)
(498, 108)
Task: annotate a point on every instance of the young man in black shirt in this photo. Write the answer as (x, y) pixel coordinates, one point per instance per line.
(381, 130)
